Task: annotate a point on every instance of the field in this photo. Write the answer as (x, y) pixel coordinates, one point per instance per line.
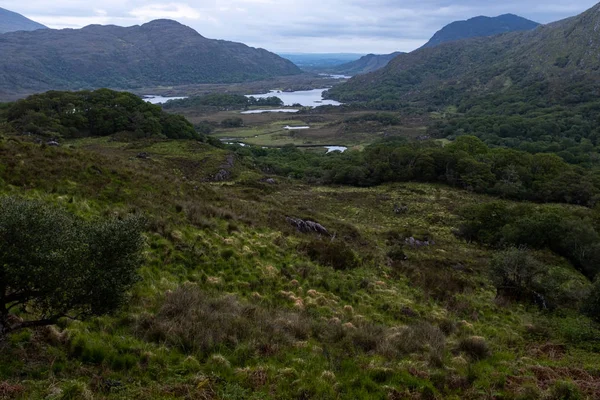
(236, 303)
(326, 128)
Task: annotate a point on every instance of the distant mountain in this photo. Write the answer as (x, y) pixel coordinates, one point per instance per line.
(12, 22)
(161, 52)
(556, 63)
(481, 26)
(366, 64)
(474, 27)
(320, 60)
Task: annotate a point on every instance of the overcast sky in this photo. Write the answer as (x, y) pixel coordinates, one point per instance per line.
(307, 26)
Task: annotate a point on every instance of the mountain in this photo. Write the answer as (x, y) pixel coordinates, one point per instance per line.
(556, 63)
(366, 64)
(161, 52)
(474, 27)
(481, 26)
(12, 22)
(320, 60)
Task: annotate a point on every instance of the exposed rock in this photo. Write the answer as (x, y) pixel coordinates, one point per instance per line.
(52, 143)
(307, 226)
(270, 181)
(143, 155)
(222, 175)
(412, 242)
(229, 162)
(400, 209)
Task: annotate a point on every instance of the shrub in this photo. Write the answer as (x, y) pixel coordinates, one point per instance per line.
(475, 347)
(196, 322)
(404, 340)
(54, 264)
(563, 390)
(513, 272)
(336, 254)
(235, 122)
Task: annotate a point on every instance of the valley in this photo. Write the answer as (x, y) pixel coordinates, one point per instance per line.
(193, 218)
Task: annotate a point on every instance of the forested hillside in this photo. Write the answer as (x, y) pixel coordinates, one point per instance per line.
(552, 64)
(161, 52)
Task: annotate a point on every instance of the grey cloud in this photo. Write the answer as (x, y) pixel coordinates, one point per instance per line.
(359, 26)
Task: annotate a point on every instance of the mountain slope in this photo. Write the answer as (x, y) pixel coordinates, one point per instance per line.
(366, 64)
(12, 22)
(553, 63)
(479, 27)
(161, 52)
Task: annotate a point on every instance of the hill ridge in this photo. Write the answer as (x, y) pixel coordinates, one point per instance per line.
(160, 52)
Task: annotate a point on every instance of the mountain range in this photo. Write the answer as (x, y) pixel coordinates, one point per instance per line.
(555, 62)
(161, 52)
(458, 30)
(12, 22)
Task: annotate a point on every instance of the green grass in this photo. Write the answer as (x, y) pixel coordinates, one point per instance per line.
(223, 256)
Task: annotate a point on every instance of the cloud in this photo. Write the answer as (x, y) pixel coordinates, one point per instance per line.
(358, 26)
(170, 11)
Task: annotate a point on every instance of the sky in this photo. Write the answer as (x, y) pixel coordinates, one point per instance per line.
(294, 26)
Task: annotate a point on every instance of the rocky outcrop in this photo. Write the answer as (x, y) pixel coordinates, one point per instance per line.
(307, 226)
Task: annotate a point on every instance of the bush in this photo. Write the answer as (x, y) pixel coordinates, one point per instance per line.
(565, 232)
(196, 322)
(232, 122)
(514, 271)
(563, 390)
(336, 254)
(404, 340)
(475, 347)
(54, 264)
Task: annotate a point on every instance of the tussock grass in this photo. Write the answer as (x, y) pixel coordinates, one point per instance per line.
(232, 305)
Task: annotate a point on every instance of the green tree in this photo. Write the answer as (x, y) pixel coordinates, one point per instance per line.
(514, 272)
(55, 265)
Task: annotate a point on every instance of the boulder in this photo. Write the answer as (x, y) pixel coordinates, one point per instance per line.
(307, 226)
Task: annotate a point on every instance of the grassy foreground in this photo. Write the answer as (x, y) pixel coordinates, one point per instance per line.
(235, 303)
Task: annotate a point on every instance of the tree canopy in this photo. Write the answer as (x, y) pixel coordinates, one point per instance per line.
(102, 112)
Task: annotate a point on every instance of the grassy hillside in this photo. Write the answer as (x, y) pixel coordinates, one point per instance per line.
(236, 303)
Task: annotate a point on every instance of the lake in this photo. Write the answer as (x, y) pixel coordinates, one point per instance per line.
(306, 98)
(278, 110)
(334, 76)
(331, 149)
(160, 99)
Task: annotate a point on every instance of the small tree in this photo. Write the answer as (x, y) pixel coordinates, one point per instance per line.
(514, 271)
(55, 265)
